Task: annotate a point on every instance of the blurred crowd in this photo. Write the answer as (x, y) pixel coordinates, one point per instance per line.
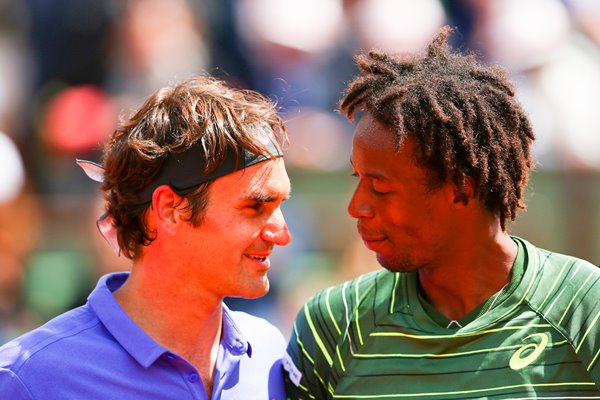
(69, 69)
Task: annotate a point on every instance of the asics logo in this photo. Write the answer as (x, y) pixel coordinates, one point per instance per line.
(535, 349)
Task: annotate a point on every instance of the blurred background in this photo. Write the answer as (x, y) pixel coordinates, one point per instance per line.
(70, 69)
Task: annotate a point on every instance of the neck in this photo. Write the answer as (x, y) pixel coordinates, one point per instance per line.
(471, 274)
(175, 314)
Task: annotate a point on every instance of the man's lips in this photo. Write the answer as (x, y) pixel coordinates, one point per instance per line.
(370, 236)
(259, 254)
(257, 257)
(260, 260)
(371, 240)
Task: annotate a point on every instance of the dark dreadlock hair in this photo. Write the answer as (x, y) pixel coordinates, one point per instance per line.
(462, 114)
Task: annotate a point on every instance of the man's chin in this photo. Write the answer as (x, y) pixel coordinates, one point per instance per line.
(396, 265)
(255, 292)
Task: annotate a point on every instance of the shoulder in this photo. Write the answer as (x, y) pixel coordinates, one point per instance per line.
(48, 343)
(260, 372)
(560, 274)
(332, 309)
(565, 291)
(266, 343)
(327, 320)
(256, 329)
(251, 322)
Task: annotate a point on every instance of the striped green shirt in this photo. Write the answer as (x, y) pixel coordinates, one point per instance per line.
(372, 338)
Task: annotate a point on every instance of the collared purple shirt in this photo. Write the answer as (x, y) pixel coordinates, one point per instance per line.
(97, 352)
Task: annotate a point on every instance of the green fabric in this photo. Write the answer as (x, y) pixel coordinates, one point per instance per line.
(371, 338)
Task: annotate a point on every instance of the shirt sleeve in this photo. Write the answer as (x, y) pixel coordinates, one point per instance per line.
(588, 340)
(308, 361)
(314, 360)
(300, 377)
(11, 387)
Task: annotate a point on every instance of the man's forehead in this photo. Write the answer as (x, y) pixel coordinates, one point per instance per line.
(371, 133)
(264, 180)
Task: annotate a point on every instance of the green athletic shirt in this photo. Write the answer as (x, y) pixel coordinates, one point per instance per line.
(373, 338)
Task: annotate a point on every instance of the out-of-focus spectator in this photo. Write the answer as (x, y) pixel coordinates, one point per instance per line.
(557, 70)
(586, 14)
(397, 26)
(19, 229)
(69, 41)
(155, 42)
(294, 49)
(14, 68)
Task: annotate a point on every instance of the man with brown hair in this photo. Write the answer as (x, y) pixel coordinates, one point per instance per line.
(193, 183)
(462, 310)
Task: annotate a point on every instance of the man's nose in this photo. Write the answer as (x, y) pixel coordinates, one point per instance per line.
(359, 206)
(276, 230)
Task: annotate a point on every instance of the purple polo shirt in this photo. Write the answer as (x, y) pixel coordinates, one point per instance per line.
(97, 352)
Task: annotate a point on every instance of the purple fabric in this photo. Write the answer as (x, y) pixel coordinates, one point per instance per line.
(97, 352)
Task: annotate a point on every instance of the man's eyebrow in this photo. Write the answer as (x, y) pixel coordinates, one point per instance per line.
(378, 177)
(371, 175)
(266, 197)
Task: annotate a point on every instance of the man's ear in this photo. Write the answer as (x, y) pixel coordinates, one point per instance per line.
(164, 208)
(462, 195)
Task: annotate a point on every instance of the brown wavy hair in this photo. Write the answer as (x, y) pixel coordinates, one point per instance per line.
(462, 114)
(171, 120)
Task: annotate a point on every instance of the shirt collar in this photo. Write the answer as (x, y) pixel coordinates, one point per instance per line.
(133, 339)
(137, 342)
(232, 337)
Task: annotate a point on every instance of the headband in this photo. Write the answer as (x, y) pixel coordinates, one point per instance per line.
(184, 170)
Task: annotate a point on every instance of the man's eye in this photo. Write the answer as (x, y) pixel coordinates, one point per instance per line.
(378, 192)
(255, 206)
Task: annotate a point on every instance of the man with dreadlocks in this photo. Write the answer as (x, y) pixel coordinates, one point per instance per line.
(462, 310)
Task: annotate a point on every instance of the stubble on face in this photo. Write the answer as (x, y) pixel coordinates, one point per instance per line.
(398, 263)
